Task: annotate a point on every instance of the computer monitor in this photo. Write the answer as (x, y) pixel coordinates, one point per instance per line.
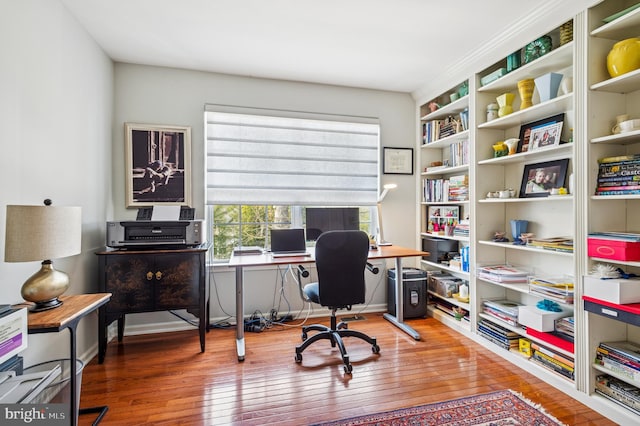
(322, 219)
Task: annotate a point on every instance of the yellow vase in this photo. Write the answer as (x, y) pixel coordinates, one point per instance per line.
(525, 88)
(624, 57)
(504, 102)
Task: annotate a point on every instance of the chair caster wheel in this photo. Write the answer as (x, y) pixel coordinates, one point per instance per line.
(375, 349)
(304, 336)
(348, 369)
(298, 358)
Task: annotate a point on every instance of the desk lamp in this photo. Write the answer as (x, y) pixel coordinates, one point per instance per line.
(387, 188)
(43, 232)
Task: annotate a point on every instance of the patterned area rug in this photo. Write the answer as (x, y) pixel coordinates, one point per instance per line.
(495, 408)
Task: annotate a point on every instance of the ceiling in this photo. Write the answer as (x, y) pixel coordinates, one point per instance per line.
(396, 45)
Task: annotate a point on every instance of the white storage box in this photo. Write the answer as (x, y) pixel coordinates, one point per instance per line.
(540, 320)
(615, 290)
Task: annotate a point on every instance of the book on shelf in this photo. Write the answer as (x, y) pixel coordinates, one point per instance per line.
(618, 391)
(558, 289)
(623, 192)
(616, 367)
(624, 236)
(553, 354)
(540, 359)
(503, 274)
(602, 353)
(503, 305)
(619, 158)
(625, 350)
(631, 178)
(626, 391)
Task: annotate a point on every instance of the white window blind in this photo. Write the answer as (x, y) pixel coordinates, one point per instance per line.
(258, 158)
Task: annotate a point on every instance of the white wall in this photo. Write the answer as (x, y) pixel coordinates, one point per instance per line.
(56, 115)
(156, 95)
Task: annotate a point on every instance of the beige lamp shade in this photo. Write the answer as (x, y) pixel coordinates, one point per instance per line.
(36, 233)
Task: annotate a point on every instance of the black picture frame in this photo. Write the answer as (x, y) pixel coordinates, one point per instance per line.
(158, 165)
(525, 130)
(539, 178)
(397, 161)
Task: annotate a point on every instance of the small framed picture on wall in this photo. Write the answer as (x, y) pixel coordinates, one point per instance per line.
(397, 161)
(158, 165)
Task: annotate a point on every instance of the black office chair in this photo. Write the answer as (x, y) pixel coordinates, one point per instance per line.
(341, 258)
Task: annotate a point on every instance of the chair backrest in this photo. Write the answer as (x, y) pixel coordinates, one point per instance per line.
(341, 258)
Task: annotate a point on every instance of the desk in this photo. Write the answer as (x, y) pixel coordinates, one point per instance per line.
(382, 252)
(73, 309)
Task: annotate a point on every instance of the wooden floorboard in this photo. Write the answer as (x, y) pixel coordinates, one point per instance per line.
(163, 379)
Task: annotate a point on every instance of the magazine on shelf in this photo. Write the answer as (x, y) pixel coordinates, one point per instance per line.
(628, 349)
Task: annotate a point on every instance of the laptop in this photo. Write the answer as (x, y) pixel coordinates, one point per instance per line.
(288, 242)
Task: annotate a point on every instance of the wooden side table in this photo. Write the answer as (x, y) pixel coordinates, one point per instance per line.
(73, 309)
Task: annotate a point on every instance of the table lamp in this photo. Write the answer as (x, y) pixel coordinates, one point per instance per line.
(387, 188)
(43, 233)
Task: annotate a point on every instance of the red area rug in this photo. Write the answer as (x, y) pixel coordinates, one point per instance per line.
(491, 409)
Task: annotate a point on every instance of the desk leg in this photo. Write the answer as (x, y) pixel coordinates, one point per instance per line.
(239, 313)
(399, 318)
(73, 372)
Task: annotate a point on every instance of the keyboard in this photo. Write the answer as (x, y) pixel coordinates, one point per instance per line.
(291, 254)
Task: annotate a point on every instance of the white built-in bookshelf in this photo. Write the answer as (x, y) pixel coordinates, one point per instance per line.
(587, 108)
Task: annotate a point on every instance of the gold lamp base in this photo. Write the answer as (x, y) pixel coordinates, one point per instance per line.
(44, 287)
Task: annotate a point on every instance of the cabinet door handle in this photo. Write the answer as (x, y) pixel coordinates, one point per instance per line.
(149, 276)
(158, 275)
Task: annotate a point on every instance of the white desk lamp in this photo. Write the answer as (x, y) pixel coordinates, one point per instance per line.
(43, 232)
(387, 187)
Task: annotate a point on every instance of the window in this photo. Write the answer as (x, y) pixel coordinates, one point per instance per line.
(264, 166)
(249, 225)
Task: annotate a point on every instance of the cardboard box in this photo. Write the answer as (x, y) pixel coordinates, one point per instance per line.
(618, 291)
(613, 249)
(540, 320)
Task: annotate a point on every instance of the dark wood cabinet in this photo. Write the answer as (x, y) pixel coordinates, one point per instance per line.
(150, 281)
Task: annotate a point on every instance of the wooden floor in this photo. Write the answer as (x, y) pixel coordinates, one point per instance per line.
(163, 379)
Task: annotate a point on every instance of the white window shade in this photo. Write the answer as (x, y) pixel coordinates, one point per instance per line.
(265, 159)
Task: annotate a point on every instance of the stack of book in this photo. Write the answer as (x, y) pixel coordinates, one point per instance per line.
(503, 274)
(564, 244)
(459, 188)
(458, 153)
(504, 310)
(431, 131)
(558, 289)
(497, 334)
(619, 175)
(461, 229)
(456, 188)
(622, 358)
(618, 391)
(552, 360)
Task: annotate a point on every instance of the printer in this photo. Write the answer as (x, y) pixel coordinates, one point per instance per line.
(155, 233)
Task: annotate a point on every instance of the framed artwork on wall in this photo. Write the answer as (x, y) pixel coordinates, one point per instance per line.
(158, 165)
(397, 161)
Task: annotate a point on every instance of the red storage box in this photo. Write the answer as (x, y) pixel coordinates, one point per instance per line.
(613, 249)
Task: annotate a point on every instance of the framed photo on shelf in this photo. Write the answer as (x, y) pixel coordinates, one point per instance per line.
(158, 165)
(397, 161)
(443, 215)
(526, 130)
(538, 179)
